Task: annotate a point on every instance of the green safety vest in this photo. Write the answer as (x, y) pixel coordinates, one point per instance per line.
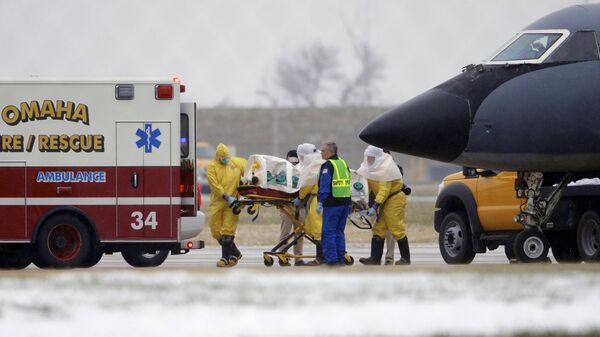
(340, 181)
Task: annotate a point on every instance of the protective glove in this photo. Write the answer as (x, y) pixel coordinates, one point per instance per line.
(319, 208)
(296, 202)
(230, 200)
(372, 211)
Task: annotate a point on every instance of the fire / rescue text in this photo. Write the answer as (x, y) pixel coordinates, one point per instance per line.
(52, 143)
(60, 110)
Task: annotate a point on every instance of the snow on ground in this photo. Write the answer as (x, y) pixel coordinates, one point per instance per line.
(311, 303)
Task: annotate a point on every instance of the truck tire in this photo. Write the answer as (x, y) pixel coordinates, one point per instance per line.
(455, 242)
(63, 241)
(509, 249)
(565, 254)
(588, 237)
(137, 259)
(531, 245)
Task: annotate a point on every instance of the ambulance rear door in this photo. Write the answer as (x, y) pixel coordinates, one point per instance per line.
(144, 193)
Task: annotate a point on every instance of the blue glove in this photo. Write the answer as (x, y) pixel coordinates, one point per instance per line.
(230, 200)
(296, 202)
(372, 211)
(319, 208)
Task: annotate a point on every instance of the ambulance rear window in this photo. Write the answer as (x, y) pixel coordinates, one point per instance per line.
(185, 136)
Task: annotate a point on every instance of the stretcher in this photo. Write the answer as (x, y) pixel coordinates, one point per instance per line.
(252, 197)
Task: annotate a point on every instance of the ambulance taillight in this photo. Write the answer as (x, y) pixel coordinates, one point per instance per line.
(163, 91)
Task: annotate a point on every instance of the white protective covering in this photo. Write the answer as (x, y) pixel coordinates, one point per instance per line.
(310, 169)
(273, 173)
(383, 169)
(359, 188)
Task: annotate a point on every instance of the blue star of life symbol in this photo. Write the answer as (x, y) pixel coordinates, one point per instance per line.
(148, 138)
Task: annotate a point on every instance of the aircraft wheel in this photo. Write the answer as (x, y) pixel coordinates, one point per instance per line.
(455, 242)
(588, 237)
(531, 245)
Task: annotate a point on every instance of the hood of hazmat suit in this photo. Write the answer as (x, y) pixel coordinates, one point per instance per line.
(378, 165)
(224, 178)
(309, 172)
(304, 150)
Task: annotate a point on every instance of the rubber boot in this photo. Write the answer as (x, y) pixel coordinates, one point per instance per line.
(226, 249)
(376, 252)
(235, 251)
(319, 260)
(404, 252)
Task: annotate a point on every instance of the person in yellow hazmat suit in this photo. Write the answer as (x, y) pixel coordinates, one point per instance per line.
(310, 164)
(223, 174)
(385, 181)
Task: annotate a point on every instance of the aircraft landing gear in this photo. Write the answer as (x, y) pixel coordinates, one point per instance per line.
(538, 208)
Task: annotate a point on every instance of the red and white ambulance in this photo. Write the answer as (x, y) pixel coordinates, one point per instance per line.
(96, 167)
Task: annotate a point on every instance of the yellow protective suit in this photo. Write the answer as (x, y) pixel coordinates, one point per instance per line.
(223, 179)
(314, 221)
(392, 207)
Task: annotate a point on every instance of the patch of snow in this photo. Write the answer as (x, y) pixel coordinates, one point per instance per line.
(319, 303)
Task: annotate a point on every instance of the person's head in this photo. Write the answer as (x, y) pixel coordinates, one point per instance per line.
(222, 154)
(304, 150)
(328, 150)
(372, 154)
(292, 157)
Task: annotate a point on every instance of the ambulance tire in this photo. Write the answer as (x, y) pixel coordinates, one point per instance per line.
(137, 259)
(63, 241)
(15, 260)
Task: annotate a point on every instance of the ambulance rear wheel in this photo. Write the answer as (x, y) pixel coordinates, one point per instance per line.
(63, 241)
(135, 258)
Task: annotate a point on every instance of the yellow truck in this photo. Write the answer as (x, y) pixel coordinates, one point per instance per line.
(475, 211)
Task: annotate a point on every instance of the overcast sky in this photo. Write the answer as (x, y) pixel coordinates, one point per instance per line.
(225, 51)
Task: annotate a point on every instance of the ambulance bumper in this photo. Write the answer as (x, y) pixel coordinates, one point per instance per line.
(191, 226)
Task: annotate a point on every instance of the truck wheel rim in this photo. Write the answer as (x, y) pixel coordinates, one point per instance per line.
(453, 239)
(64, 242)
(590, 237)
(533, 247)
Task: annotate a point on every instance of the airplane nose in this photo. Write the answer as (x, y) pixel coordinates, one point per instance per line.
(433, 125)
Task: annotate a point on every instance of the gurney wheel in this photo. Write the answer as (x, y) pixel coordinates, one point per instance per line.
(348, 260)
(237, 210)
(251, 210)
(268, 260)
(283, 261)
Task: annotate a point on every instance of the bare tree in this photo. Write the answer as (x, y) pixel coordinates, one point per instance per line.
(308, 73)
(363, 87)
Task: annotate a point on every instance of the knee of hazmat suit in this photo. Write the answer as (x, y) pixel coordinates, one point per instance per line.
(385, 181)
(223, 174)
(310, 165)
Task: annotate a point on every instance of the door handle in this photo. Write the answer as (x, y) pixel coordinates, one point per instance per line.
(134, 180)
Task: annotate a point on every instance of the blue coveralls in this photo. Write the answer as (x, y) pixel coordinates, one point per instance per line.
(335, 213)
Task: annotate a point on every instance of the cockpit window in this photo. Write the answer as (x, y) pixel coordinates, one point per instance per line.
(582, 46)
(528, 46)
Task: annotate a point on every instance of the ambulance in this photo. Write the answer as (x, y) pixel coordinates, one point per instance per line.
(96, 167)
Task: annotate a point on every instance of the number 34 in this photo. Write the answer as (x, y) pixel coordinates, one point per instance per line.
(139, 224)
